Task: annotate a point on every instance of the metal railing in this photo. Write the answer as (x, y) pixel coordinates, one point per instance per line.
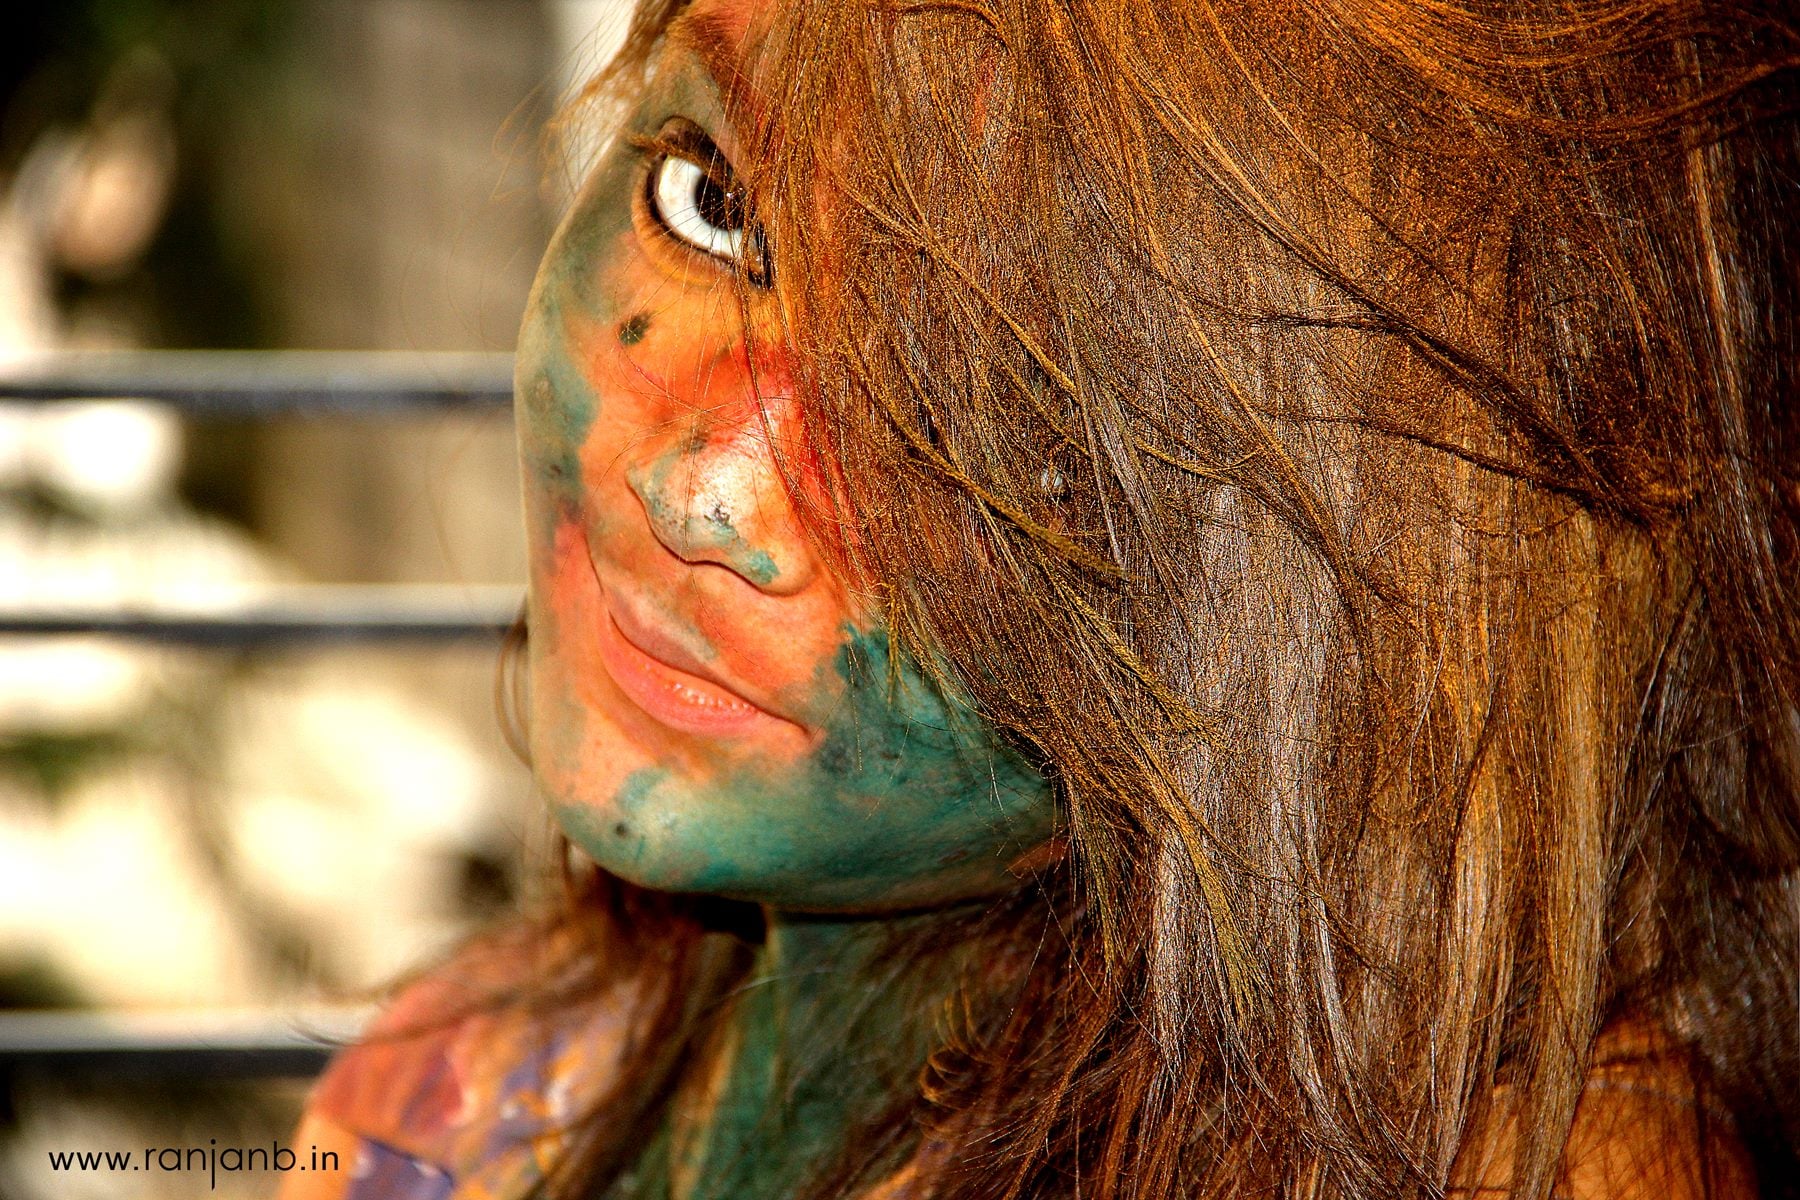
(185, 1045)
(258, 383)
(302, 613)
(246, 385)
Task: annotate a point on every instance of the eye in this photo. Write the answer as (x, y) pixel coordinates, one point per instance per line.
(695, 198)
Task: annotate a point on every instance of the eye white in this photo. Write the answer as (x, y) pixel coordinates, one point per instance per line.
(676, 194)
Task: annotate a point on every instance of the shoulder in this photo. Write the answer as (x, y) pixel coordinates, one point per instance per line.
(466, 1084)
(1644, 1129)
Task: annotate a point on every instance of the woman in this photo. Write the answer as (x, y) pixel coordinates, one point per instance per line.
(1150, 600)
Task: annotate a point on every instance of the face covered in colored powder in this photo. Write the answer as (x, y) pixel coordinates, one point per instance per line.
(713, 710)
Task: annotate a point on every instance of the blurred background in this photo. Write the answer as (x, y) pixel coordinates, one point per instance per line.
(253, 829)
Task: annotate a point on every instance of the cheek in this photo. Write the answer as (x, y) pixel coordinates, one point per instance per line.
(564, 588)
(667, 351)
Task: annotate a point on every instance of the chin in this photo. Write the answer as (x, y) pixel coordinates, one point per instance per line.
(666, 839)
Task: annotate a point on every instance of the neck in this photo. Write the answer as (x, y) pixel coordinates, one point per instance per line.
(832, 1027)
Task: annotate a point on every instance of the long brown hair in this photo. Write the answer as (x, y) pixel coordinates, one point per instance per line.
(1355, 445)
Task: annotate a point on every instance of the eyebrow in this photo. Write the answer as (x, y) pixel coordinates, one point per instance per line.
(719, 47)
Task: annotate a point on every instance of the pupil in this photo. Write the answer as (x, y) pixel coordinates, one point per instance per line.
(718, 207)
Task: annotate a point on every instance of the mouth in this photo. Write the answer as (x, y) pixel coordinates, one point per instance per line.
(681, 694)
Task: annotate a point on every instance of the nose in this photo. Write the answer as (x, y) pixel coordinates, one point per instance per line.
(714, 492)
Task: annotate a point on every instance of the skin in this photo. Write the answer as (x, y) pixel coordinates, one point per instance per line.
(650, 432)
(713, 710)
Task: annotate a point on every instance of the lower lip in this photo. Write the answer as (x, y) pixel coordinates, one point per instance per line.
(675, 698)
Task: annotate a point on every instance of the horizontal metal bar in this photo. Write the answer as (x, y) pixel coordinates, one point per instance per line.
(313, 613)
(263, 383)
(188, 1045)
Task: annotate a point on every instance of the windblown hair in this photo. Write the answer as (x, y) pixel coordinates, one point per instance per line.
(1355, 444)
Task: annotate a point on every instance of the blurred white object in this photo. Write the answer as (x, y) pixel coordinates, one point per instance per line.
(115, 191)
(27, 317)
(68, 685)
(344, 788)
(104, 886)
(115, 456)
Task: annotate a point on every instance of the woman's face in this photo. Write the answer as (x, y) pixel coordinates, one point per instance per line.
(712, 709)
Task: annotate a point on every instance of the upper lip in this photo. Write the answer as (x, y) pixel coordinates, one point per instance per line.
(644, 633)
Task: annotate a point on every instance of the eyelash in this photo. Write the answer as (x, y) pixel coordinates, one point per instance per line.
(697, 164)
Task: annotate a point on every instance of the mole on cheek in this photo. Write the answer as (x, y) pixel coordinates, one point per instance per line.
(632, 331)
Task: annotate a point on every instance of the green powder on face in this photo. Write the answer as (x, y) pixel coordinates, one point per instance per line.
(908, 795)
(633, 330)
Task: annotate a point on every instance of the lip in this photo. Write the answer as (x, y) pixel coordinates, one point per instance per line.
(682, 694)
